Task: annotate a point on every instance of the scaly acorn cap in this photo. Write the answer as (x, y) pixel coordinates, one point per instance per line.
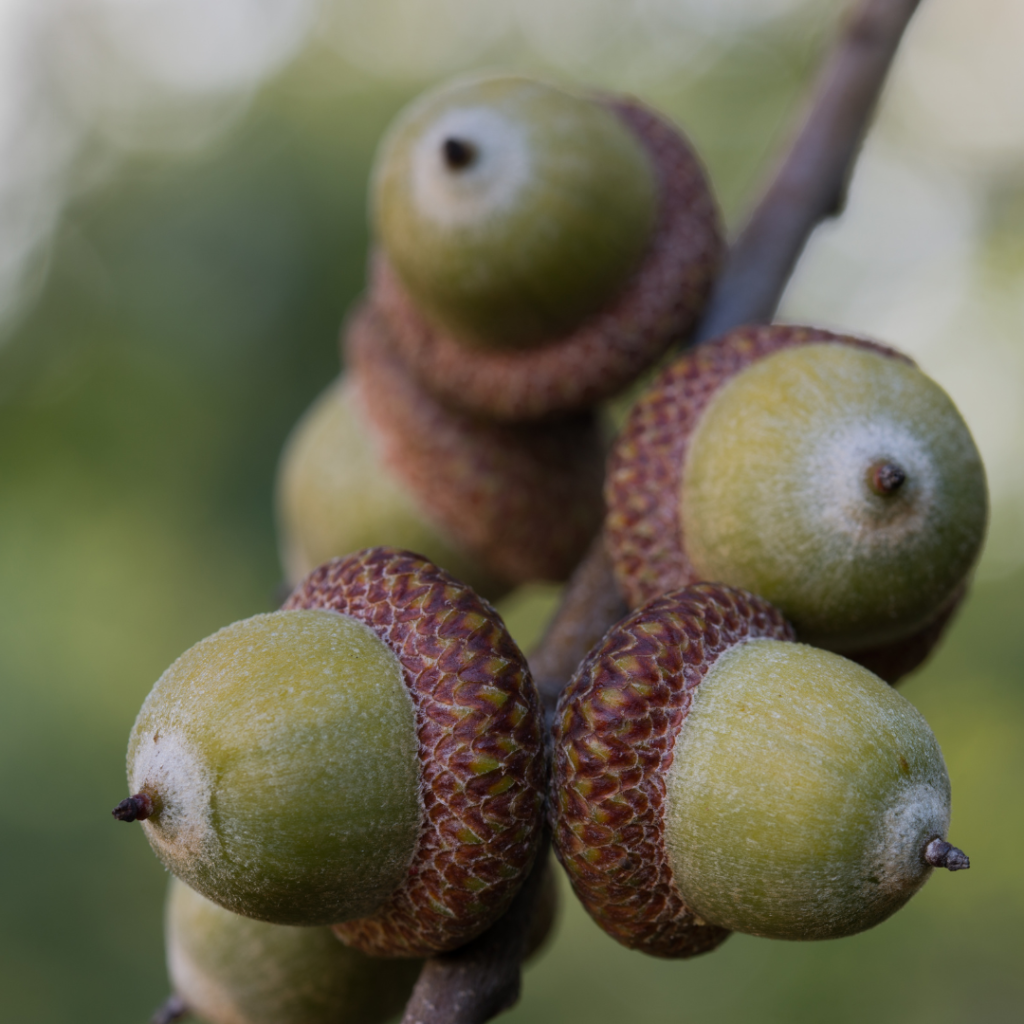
(523, 501)
(230, 969)
(710, 774)
(481, 755)
(370, 754)
(657, 304)
(614, 733)
(796, 426)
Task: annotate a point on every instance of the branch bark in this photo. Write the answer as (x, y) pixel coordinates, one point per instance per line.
(473, 984)
(811, 182)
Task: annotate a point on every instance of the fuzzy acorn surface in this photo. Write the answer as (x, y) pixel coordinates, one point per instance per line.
(371, 755)
(825, 473)
(710, 774)
(538, 249)
(230, 969)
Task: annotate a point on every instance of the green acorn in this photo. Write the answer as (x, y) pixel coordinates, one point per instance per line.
(378, 461)
(368, 757)
(512, 209)
(539, 248)
(230, 969)
(827, 474)
(712, 775)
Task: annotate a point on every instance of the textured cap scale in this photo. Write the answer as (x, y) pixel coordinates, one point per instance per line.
(614, 733)
(522, 500)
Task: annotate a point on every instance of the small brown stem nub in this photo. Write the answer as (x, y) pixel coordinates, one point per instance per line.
(886, 478)
(173, 1009)
(458, 153)
(135, 808)
(941, 854)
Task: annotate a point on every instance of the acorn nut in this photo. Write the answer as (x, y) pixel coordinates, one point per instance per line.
(230, 969)
(710, 774)
(825, 473)
(369, 757)
(538, 248)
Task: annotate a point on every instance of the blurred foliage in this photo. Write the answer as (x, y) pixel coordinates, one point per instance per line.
(190, 315)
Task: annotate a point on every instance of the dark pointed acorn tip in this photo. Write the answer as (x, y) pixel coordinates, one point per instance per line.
(940, 854)
(172, 1010)
(886, 478)
(458, 153)
(135, 808)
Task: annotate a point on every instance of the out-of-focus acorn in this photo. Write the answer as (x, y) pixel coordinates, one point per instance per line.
(368, 757)
(712, 775)
(539, 249)
(825, 473)
(230, 969)
(378, 461)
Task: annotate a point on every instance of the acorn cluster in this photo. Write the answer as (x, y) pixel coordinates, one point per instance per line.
(793, 516)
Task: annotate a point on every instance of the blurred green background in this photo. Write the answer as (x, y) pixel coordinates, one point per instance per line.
(188, 314)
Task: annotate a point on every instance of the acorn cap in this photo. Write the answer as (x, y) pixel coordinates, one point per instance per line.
(523, 501)
(478, 727)
(680, 511)
(230, 969)
(614, 733)
(657, 305)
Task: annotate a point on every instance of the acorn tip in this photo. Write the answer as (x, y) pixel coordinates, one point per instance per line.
(940, 854)
(135, 808)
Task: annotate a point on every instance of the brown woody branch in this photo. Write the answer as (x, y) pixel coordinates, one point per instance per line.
(811, 182)
(480, 980)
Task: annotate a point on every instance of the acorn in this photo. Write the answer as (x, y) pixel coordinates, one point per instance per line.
(370, 757)
(713, 775)
(230, 969)
(378, 461)
(825, 473)
(538, 248)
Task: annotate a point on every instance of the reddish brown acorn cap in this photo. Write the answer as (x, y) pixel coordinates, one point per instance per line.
(645, 469)
(478, 723)
(659, 305)
(524, 500)
(614, 736)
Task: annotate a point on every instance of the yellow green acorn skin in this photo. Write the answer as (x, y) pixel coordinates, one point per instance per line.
(801, 795)
(512, 209)
(825, 473)
(783, 503)
(229, 969)
(282, 756)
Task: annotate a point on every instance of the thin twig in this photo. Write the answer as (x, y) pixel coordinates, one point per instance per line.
(590, 604)
(480, 980)
(810, 184)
